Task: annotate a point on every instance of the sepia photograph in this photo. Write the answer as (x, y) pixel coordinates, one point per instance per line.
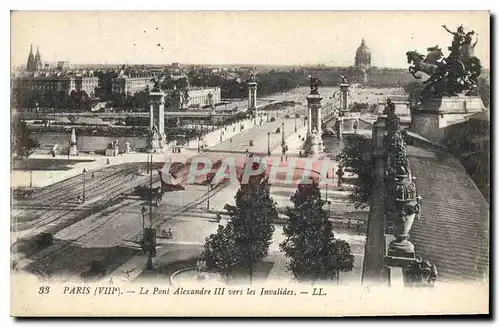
(250, 163)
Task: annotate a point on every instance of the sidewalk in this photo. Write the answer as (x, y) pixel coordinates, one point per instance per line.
(42, 178)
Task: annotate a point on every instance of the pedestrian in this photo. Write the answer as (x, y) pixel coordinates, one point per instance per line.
(355, 126)
(107, 161)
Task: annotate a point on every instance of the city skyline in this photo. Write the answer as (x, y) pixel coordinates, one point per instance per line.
(245, 38)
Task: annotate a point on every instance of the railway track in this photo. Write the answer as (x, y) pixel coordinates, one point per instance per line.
(39, 214)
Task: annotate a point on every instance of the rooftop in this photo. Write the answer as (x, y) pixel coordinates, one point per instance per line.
(453, 230)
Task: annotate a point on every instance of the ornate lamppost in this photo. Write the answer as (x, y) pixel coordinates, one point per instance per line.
(209, 188)
(149, 239)
(283, 144)
(268, 143)
(326, 184)
(84, 173)
(143, 212)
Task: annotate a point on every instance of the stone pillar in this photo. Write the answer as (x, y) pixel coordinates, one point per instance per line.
(344, 102)
(151, 115)
(309, 122)
(157, 119)
(314, 119)
(314, 112)
(73, 150)
(430, 117)
(252, 96)
(319, 121)
(341, 128)
(373, 263)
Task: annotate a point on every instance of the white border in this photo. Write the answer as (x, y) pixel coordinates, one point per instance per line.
(183, 5)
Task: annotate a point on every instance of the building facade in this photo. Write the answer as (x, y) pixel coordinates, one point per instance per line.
(56, 83)
(203, 96)
(131, 83)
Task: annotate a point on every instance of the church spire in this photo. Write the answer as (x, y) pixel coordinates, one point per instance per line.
(37, 55)
(31, 61)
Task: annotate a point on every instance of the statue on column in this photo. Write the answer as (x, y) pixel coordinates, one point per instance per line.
(314, 84)
(340, 175)
(156, 80)
(127, 147)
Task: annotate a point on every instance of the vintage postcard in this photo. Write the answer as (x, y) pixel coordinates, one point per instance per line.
(218, 163)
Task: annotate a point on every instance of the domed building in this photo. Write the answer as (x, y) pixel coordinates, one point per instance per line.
(363, 56)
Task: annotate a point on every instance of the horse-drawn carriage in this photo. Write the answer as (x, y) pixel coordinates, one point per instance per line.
(22, 194)
(145, 193)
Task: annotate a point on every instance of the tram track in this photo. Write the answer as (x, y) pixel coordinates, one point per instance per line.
(105, 190)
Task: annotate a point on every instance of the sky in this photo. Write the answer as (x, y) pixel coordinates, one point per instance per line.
(251, 37)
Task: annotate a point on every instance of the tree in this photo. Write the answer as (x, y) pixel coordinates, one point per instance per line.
(310, 244)
(344, 260)
(23, 144)
(356, 156)
(245, 239)
(218, 252)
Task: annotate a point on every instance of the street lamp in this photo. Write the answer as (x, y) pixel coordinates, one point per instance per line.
(282, 140)
(84, 177)
(143, 212)
(329, 203)
(326, 196)
(269, 143)
(295, 124)
(209, 188)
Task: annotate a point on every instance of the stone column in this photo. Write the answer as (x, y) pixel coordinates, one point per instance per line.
(314, 117)
(252, 96)
(151, 115)
(319, 121)
(73, 150)
(309, 121)
(157, 118)
(344, 104)
(341, 127)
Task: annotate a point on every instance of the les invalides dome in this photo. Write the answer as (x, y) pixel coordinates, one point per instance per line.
(363, 56)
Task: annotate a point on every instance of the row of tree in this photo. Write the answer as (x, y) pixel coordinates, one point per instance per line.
(39, 98)
(269, 83)
(313, 251)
